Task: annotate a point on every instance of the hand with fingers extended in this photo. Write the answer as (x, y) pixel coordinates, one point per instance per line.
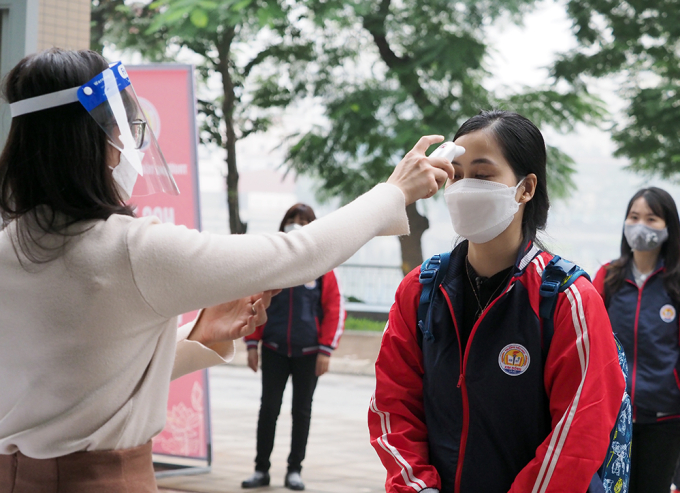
(418, 175)
(220, 324)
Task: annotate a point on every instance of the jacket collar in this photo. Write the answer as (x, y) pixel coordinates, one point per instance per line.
(660, 267)
(527, 252)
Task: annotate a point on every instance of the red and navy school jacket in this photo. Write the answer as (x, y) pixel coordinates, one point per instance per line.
(646, 322)
(505, 414)
(306, 319)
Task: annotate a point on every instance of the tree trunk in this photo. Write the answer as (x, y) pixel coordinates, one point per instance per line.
(411, 248)
(236, 226)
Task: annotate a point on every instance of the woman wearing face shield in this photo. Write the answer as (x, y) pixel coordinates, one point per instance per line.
(641, 290)
(480, 404)
(90, 294)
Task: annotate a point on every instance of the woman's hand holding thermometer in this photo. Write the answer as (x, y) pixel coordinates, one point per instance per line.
(420, 176)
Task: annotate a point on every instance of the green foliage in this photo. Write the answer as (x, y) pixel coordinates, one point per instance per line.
(640, 41)
(124, 24)
(386, 72)
(427, 76)
(218, 32)
(353, 323)
(227, 38)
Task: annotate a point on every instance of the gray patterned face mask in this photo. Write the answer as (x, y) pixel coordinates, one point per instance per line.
(643, 238)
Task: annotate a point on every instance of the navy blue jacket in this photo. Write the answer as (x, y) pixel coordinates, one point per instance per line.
(306, 319)
(646, 322)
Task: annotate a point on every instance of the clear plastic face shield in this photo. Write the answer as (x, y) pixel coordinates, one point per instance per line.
(110, 99)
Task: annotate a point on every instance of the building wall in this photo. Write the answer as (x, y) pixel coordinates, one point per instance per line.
(27, 26)
(64, 23)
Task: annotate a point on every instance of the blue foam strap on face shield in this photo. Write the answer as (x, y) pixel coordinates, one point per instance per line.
(94, 92)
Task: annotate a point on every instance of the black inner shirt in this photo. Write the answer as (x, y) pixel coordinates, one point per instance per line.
(484, 288)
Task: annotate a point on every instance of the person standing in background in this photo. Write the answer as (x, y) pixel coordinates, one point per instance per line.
(641, 290)
(303, 328)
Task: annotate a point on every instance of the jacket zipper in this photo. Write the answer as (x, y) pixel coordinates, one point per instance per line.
(635, 336)
(290, 324)
(461, 379)
(463, 389)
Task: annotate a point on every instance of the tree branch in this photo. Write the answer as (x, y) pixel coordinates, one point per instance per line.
(400, 66)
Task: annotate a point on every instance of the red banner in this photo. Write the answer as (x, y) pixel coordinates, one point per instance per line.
(166, 94)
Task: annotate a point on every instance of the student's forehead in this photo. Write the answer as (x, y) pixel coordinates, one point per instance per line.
(640, 206)
(481, 139)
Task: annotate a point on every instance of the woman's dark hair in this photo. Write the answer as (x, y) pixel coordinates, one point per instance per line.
(303, 211)
(523, 147)
(663, 205)
(53, 169)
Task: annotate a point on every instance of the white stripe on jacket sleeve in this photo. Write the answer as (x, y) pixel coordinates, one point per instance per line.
(406, 470)
(561, 431)
(341, 319)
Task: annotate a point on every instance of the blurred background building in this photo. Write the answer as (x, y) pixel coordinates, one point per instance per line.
(27, 26)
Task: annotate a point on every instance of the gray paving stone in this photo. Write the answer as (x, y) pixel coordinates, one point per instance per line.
(339, 458)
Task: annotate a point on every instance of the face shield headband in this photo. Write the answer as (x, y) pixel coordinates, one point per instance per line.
(110, 99)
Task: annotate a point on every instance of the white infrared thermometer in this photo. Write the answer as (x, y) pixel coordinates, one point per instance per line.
(448, 150)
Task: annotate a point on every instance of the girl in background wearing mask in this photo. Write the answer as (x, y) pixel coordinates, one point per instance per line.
(641, 290)
(481, 408)
(304, 325)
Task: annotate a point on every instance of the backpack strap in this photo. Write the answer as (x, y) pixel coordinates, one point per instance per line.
(432, 273)
(557, 276)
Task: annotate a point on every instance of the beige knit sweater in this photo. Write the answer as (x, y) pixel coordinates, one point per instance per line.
(88, 341)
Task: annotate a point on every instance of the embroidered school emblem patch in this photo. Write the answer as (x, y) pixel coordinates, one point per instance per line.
(667, 313)
(514, 359)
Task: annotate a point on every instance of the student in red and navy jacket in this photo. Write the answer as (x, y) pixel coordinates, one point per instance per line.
(642, 292)
(485, 407)
(304, 326)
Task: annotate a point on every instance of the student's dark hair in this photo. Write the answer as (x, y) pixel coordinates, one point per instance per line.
(523, 147)
(298, 210)
(53, 168)
(663, 205)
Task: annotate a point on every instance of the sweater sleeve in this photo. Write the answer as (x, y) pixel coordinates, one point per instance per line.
(191, 356)
(333, 323)
(396, 417)
(585, 386)
(178, 270)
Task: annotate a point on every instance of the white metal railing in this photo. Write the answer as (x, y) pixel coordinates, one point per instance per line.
(370, 285)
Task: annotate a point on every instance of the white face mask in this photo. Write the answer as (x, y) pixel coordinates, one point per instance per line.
(481, 210)
(291, 227)
(125, 175)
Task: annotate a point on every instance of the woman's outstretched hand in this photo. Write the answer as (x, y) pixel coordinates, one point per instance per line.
(224, 323)
(419, 176)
